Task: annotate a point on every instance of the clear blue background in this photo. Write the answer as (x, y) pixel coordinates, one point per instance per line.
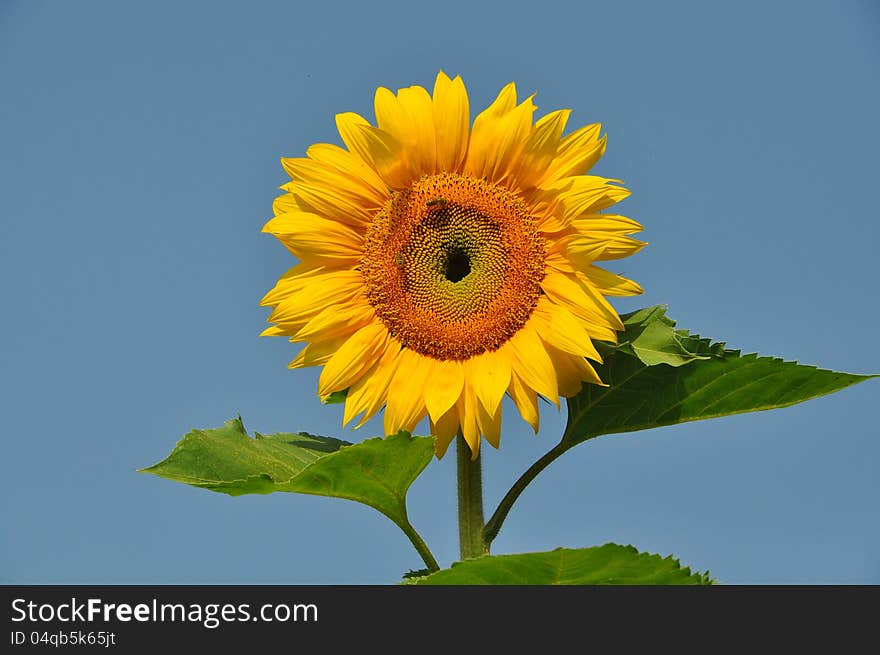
(139, 147)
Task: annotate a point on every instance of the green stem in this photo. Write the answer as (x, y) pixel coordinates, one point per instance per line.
(420, 545)
(494, 525)
(470, 501)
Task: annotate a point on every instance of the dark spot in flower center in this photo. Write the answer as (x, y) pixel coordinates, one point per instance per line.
(457, 265)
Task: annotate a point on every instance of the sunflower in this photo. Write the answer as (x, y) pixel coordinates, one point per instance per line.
(444, 264)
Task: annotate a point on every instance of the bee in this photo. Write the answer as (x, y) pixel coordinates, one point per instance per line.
(436, 202)
(399, 260)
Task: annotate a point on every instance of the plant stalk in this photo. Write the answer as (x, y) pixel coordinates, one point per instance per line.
(420, 546)
(470, 501)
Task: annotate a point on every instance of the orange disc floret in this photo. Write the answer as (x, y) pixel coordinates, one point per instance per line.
(453, 265)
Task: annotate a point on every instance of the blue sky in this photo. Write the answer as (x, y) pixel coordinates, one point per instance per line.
(139, 147)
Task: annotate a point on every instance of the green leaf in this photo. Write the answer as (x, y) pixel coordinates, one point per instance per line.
(419, 573)
(608, 564)
(651, 336)
(377, 472)
(716, 382)
(335, 398)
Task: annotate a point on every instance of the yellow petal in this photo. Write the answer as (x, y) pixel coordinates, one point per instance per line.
(377, 393)
(566, 374)
(468, 406)
(405, 406)
(571, 370)
(552, 222)
(580, 298)
(369, 393)
(336, 320)
(606, 233)
(485, 131)
(331, 180)
(354, 357)
(541, 148)
(558, 327)
(601, 331)
(292, 317)
(557, 262)
(444, 431)
(613, 195)
(545, 206)
(408, 118)
(421, 142)
(586, 371)
(285, 204)
(577, 153)
(325, 323)
(381, 151)
(292, 281)
(314, 239)
(496, 146)
(318, 353)
(582, 249)
(348, 165)
(503, 103)
(621, 247)
(443, 387)
(490, 424)
(451, 122)
(608, 312)
(610, 284)
(335, 288)
(516, 129)
(488, 375)
(578, 250)
(591, 224)
(532, 363)
(331, 204)
(526, 400)
(589, 193)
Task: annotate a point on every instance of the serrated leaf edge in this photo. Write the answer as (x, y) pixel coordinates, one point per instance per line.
(704, 577)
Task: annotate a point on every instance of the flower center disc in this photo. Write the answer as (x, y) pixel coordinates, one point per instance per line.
(453, 265)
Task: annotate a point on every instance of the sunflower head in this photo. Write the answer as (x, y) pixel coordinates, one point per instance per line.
(444, 264)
